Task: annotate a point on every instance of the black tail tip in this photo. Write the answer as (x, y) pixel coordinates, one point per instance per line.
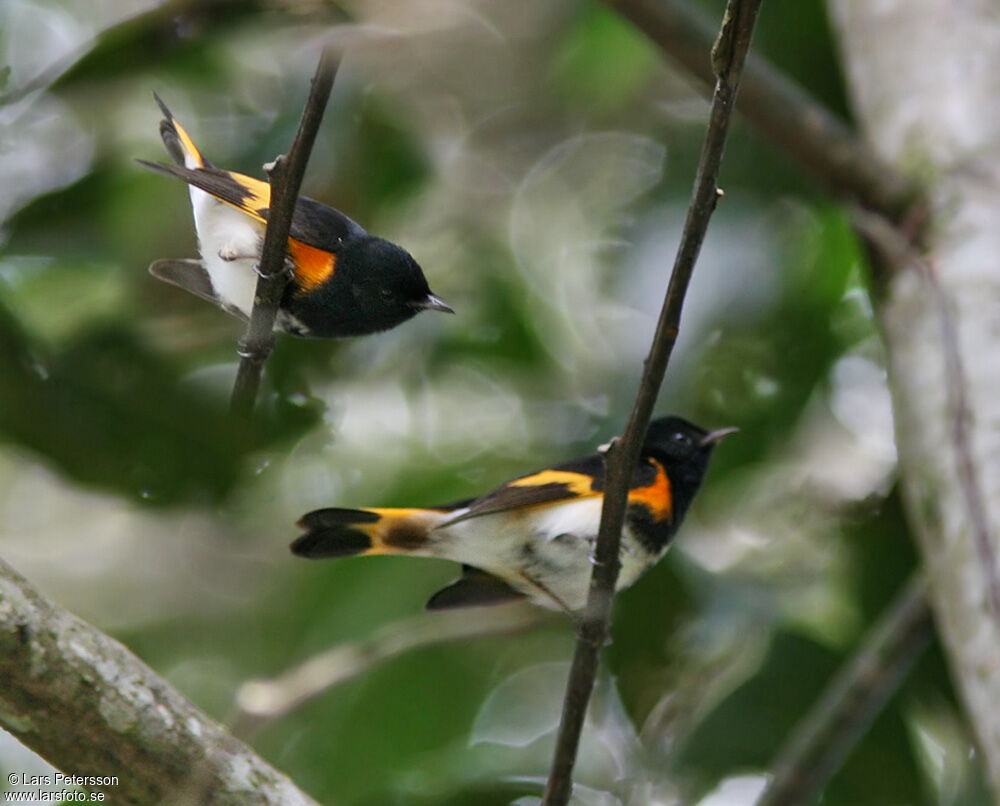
(335, 542)
(335, 516)
(163, 106)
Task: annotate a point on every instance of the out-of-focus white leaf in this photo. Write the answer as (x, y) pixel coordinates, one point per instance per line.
(33, 132)
(565, 214)
(523, 708)
(609, 734)
(582, 796)
(740, 790)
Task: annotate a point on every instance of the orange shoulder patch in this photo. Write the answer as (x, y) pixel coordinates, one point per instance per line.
(656, 497)
(313, 266)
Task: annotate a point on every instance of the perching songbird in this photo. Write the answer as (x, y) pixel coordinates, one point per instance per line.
(534, 536)
(344, 281)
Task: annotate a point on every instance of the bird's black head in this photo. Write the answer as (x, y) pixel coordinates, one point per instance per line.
(376, 285)
(684, 450)
(386, 283)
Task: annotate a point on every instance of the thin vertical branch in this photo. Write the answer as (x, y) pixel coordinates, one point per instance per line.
(855, 696)
(728, 56)
(285, 175)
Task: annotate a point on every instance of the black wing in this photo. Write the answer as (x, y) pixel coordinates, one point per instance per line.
(313, 223)
(579, 479)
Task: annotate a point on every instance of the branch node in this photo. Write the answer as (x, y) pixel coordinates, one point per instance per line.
(590, 632)
(272, 166)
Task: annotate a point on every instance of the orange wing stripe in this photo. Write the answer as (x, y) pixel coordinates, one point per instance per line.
(187, 143)
(258, 195)
(657, 496)
(313, 266)
(577, 483)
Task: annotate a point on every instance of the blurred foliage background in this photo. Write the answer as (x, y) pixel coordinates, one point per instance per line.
(536, 159)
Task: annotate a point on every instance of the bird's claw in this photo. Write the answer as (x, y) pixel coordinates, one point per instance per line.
(288, 269)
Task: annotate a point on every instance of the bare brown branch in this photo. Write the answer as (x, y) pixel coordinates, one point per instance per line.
(727, 57)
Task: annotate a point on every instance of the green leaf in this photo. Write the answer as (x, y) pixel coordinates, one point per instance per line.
(110, 413)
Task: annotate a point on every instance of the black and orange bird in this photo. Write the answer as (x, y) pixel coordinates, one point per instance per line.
(344, 282)
(534, 536)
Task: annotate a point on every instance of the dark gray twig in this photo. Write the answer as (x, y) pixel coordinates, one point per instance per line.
(727, 58)
(285, 174)
(855, 696)
(780, 110)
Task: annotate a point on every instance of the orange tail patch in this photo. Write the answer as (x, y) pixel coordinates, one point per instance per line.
(348, 532)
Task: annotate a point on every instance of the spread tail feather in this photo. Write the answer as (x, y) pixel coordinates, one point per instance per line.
(345, 532)
(178, 142)
(192, 277)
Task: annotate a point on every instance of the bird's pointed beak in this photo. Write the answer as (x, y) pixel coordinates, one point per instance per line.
(434, 303)
(715, 437)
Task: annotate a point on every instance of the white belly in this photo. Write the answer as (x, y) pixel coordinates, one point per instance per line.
(542, 551)
(230, 242)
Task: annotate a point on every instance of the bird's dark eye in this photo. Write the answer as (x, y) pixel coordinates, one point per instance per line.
(387, 293)
(681, 438)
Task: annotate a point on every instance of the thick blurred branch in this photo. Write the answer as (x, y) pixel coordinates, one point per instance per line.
(893, 248)
(939, 308)
(285, 174)
(786, 115)
(260, 701)
(88, 706)
(727, 59)
(855, 696)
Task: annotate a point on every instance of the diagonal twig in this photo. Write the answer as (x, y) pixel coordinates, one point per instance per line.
(784, 113)
(285, 175)
(824, 738)
(727, 58)
(261, 701)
